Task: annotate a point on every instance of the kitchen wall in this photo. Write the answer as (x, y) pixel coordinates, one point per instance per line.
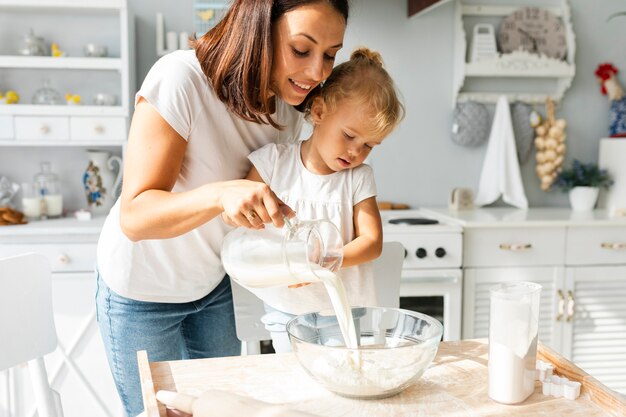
(419, 164)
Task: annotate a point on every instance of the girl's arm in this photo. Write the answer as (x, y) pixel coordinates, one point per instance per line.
(153, 160)
(368, 229)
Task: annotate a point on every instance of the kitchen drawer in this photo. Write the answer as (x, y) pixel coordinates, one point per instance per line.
(6, 127)
(63, 257)
(41, 128)
(596, 245)
(98, 128)
(513, 246)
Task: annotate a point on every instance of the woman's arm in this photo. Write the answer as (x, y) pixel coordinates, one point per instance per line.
(368, 229)
(149, 210)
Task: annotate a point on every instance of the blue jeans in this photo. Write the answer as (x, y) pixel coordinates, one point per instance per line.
(167, 331)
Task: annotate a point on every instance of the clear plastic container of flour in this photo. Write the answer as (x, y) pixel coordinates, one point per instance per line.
(299, 252)
(513, 328)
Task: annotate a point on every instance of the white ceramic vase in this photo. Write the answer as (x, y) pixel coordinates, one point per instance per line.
(583, 198)
(101, 181)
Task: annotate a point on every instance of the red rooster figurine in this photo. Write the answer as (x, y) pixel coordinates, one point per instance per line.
(605, 74)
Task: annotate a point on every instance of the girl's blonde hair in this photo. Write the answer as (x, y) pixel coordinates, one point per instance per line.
(363, 78)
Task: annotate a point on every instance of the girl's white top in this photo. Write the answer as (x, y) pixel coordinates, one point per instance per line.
(187, 267)
(312, 196)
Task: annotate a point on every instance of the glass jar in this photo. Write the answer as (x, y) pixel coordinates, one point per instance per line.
(513, 329)
(302, 251)
(33, 45)
(47, 95)
(48, 188)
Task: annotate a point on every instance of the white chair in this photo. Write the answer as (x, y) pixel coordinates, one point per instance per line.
(27, 324)
(249, 309)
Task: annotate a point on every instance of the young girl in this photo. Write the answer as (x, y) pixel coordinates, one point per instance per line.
(324, 177)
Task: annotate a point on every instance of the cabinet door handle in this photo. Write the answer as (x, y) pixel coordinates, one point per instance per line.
(99, 129)
(613, 246)
(515, 246)
(570, 305)
(64, 259)
(45, 129)
(561, 307)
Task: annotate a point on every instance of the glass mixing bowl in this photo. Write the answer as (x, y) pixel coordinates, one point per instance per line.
(395, 348)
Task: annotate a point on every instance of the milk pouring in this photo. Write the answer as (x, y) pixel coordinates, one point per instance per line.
(302, 251)
(513, 328)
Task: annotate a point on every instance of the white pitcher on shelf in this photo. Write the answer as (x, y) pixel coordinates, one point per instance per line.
(101, 182)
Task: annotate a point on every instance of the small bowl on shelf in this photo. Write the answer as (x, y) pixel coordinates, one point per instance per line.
(93, 50)
(104, 99)
(396, 346)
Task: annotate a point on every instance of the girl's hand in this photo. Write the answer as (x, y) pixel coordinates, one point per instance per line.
(251, 204)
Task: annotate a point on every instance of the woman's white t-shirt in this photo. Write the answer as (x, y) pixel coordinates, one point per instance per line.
(331, 197)
(188, 267)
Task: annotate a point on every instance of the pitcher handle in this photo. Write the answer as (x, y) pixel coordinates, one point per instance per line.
(120, 168)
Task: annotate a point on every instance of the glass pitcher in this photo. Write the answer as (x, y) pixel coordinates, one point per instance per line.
(302, 251)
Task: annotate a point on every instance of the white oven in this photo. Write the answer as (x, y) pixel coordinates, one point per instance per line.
(436, 293)
(432, 278)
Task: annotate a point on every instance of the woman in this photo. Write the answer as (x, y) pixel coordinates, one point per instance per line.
(198, 114)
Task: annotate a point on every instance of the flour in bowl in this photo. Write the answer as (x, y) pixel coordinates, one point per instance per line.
(378, 370)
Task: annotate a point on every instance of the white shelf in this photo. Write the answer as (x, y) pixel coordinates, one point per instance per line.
(525, 70)
(61, 110)
(520, 64)
(491, 10)
(492, 98)
(48, 62)
(65, 4)
(70, 143)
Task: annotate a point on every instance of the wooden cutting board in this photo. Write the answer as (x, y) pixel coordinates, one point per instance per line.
(454, 385)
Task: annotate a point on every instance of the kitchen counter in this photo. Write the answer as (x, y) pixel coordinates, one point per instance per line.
(513, 217)
(61, 226)
(454, 385)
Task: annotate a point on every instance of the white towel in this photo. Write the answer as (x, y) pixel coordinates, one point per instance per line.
(501, 173)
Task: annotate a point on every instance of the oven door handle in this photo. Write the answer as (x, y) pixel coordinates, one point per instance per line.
(430, 280)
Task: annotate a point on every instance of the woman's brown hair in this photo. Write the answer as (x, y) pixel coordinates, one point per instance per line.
(236, 54)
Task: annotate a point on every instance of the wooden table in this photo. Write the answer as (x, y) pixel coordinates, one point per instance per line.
(454, 385)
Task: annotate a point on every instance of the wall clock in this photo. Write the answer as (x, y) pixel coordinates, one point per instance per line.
(535, 30)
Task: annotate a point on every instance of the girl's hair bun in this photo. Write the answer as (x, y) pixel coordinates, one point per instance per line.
(367, 54)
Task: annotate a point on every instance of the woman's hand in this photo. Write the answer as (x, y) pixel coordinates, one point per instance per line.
(251, 204)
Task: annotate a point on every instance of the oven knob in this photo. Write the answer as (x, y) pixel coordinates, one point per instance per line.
(406, 252)
(420, 253)
(440, 252)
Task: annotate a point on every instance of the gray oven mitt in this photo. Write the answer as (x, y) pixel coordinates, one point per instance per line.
(522, 129)
(470, 126)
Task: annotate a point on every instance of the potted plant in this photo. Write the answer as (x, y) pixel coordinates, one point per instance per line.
(583, 182)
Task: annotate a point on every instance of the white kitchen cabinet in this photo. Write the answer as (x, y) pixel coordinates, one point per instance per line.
(478, 281)
(78, 369)
(594, 334)
(583, 301)
(60, 134)
(492, 255)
